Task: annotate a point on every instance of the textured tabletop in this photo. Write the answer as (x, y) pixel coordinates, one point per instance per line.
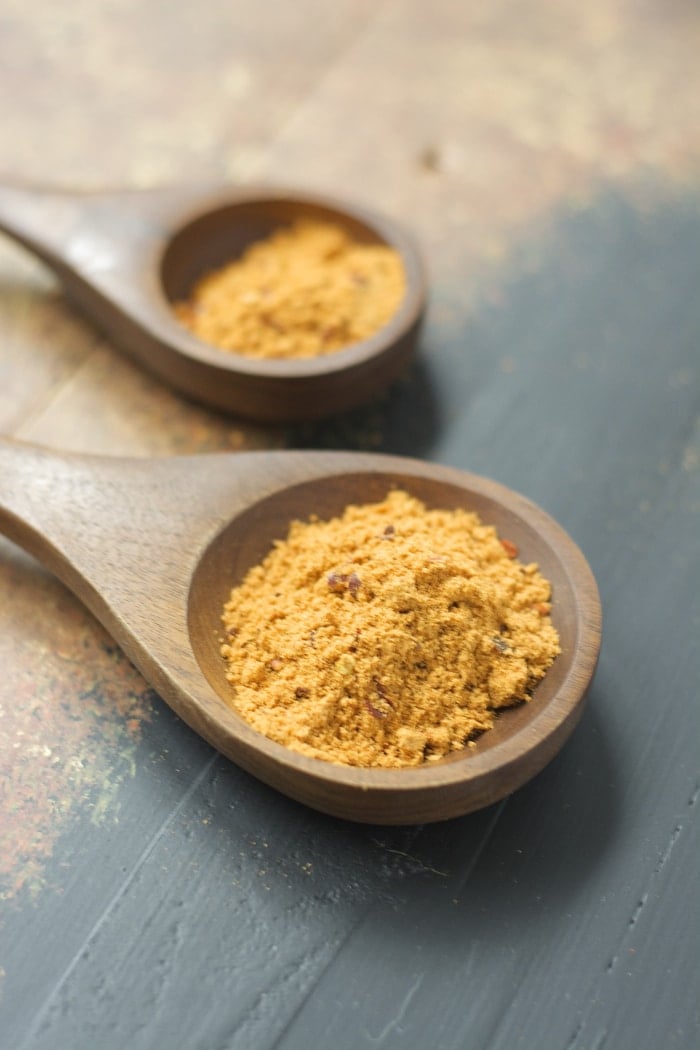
(547, 157)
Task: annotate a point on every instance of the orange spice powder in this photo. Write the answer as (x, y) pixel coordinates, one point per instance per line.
(306, 290)
(389, 636)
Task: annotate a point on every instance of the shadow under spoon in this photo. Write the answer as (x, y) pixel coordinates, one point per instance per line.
(125, 257)
(154, 546)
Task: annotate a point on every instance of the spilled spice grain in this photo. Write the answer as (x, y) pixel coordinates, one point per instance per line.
(388, 636)
(306, 290)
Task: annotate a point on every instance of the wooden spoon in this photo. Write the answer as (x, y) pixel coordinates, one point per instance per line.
(125, 257)
(153, 548)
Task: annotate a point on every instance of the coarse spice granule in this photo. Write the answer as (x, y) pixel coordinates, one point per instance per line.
(388, 636)
(306, 290)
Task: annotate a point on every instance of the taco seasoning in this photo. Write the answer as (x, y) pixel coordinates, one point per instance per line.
(306, 290)
(389, 636)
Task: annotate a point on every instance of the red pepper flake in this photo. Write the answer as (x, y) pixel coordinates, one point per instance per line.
(340, 581)
(510, 548)
(382, 693)
(331, 332)
(543, 608)
(374, 711)
(272, 323)
(354, 583)
(301, 693)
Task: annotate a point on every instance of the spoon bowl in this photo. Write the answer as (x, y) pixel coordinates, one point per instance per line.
(153, 548)
(125, 257)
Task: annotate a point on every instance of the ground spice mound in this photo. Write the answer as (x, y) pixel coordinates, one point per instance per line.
(389, 636)
(306, 290)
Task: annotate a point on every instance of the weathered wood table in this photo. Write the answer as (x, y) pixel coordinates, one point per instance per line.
(547, 156)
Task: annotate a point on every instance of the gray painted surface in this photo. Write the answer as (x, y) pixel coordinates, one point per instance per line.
(217, 915)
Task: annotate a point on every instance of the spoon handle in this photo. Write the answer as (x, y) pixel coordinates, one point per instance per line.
(40, 220)
(93, 242)
(105, 248)
(78, 517)
(125, 534)
(102, 245)
(98, 517)
(77, 228)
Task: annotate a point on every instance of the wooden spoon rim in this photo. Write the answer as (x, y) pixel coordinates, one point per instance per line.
(125, 257)
(544, 731)
(387, 230)
(332, 363)
(158, 582)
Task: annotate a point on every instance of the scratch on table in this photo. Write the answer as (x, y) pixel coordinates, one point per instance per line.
(42, 1018)
(419, 864)
(298, 977)
(394, 1023)
(635, 916)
